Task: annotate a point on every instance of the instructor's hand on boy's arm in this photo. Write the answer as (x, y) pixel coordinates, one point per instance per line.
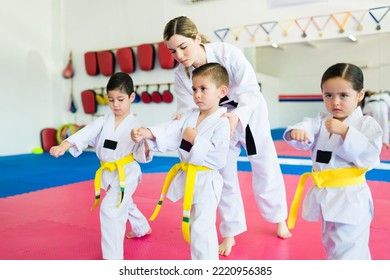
(233, 121)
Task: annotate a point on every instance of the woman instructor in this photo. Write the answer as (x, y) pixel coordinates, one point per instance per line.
(248, 116)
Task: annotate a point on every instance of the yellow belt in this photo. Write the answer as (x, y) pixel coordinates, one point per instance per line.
(191, 170)
(332, 178)
(111, 166)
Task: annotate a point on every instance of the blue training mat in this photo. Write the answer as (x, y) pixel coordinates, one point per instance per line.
(31, 172)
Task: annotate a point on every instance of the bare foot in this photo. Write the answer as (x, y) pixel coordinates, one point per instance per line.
(131, 234)
(283, 231)
(225, 248)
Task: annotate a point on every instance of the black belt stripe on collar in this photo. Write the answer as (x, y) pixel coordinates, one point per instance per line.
(225, 101)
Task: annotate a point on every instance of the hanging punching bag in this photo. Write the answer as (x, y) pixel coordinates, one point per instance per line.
(68, 71)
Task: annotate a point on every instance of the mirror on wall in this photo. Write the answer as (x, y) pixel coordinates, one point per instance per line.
(370, 52)
(296, 69)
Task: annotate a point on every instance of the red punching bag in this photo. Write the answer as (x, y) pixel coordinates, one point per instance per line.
(68, 71)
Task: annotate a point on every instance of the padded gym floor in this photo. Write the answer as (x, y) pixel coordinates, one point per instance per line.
(45, 212)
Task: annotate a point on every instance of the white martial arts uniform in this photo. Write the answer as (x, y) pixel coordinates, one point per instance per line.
(113, 218)
(378, 106)
(345, 212)
(210, 149)
(253, 133)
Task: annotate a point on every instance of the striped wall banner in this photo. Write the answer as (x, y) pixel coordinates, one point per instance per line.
(300, 97)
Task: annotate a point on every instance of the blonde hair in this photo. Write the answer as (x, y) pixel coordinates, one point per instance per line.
(215, 71)
(183, 26)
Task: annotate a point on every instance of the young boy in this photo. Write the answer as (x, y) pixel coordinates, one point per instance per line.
(119, 173)
(247, 112)
(201, 138)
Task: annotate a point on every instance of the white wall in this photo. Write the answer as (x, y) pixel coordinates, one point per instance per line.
(299, 68)
(26, 73)
(36, 37)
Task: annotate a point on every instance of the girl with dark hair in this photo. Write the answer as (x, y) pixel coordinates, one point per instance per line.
(344, 145)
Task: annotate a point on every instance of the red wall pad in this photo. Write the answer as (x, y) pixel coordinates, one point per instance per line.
(126, 60)
(146, 55)
(48, 138)
(106, 62)
(91, 65)
(88, 99)
(165, 57)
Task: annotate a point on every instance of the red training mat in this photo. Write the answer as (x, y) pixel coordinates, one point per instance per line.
(62, 226)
